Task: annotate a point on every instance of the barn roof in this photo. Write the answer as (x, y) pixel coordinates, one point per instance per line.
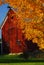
(13, 9)
(3, 12)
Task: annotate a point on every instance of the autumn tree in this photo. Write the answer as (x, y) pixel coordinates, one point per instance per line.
(31, 14)
(0, 2)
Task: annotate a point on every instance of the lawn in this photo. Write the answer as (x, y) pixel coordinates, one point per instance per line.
(18, 59)
(30, 63)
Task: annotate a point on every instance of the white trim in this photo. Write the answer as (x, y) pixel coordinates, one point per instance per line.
(16, 53)
(4, 22)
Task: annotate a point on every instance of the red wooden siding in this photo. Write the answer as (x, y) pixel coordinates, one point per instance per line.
(12, 34)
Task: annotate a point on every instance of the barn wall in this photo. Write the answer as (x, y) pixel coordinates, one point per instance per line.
(12, 35)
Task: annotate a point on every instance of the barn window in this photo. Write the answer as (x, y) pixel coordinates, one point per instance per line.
(18, 42)
(12, 17)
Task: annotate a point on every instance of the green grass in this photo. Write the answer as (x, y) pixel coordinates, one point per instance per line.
(22, 63)
(17, 59)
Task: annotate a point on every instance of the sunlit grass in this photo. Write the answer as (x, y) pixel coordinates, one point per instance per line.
(38, 63)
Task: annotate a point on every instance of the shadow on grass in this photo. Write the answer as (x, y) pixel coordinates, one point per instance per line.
(17, 59)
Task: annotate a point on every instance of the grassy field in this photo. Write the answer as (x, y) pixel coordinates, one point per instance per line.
(38, 63)
(18, 59)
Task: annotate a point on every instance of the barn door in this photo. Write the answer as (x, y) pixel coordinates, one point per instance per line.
(12, 39)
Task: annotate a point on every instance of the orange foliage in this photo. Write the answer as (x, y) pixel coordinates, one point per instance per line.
(31, 13)
(0, 2)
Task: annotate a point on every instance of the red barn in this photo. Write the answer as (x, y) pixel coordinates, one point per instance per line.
(12, 37)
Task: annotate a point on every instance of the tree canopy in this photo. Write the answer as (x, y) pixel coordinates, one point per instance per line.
(31, 14)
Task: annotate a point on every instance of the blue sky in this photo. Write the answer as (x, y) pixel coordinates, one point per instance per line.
(3, 12)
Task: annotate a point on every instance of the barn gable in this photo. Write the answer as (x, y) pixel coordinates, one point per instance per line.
(11, 11)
